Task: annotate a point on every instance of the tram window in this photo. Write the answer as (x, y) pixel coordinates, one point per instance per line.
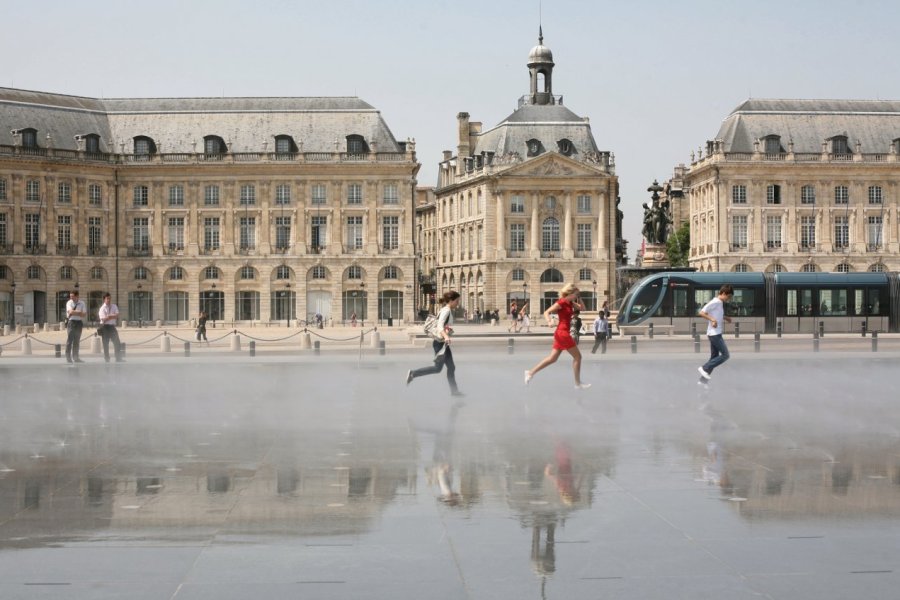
(799, 303)
(859, 303)
(874, 304)
(679, 302)
(742, 303)
(644, 300)
(833, 303)
(701, 297)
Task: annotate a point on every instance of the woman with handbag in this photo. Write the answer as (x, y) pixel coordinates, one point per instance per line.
(568, 303)
(441, 332)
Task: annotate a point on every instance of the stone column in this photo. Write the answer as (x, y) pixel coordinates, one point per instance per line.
(534, 247)
(568, 249)
(500, 249)
(602, 227)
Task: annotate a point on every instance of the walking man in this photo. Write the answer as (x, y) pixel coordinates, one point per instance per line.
(76, 311)
(714, 312)
(109, 317)
(601, 332)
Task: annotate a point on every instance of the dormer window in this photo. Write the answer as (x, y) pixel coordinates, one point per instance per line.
(839, 145)
(773, 144)
(92, 143)
(213, 144)
(144, 146)
(534, 146)
(895, 146)
(566, 148)
(356, 144)
(284, 144)
(29, 138)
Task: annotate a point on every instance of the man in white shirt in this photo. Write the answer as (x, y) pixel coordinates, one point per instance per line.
(601, 332)
(109, 317)
(76, 311)
(714, 312)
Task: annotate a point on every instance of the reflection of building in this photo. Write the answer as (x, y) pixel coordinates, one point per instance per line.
(250, 208)
(797, 185)
(525, 205)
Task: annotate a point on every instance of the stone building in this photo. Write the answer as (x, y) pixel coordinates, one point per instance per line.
(252, 209)
(797, 185)
(523, 206)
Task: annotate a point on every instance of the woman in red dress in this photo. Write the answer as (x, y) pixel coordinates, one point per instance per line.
(562, 339)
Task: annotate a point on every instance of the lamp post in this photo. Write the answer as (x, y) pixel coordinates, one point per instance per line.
(286, 306)
(140, 309)
(363, 306)
(596, 304)
(12, 304)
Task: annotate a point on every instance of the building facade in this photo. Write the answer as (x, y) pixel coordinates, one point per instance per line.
(797, 185)
(524, 206)
(252, 209)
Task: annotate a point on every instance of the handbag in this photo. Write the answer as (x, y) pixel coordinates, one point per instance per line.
(431, 327)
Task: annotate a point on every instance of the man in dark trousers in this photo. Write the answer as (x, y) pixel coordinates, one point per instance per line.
(76, 311)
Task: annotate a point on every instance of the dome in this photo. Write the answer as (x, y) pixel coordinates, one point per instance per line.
(540, 54)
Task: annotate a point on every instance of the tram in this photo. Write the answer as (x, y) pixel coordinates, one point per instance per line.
(798, 302)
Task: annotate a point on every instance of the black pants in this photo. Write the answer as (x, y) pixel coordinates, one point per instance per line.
(440, 361)
(73, 339)
(599, 341)
(107, 333)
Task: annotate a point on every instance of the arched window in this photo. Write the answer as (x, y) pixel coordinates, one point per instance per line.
(551, 276)
(390, 272)
(354, 272)
(776, 268)
(566, 148)
(33, 272)
(356, 144)
(247, 273)
(842, 268)
(840, 146)
(585, 275)
(98, 274)
(144, 146)
(318, 272)
(550, 235)
(176, 274)
(809, 268)
(29, 138)
(741, 268)
(283, 272)
(518, 274)
(533, 147)
(772, 144)
(66, 273)
(211, 273)
(140, 273)
(284, 144)
(213, 144)
(92, 143)
(878, 267)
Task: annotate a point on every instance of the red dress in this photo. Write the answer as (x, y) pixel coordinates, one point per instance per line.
(562, 339)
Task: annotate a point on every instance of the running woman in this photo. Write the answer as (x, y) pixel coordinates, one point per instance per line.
(442, 354)
(563, 308)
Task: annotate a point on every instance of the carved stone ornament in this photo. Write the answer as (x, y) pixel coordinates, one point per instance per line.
(551, 168)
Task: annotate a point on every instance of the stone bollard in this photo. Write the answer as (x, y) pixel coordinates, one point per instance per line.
(697, 344)
(159, 323)
(122, 347)
(778, 328)
(874, 341)
(634, 344)
(693, 330)
(650, 331)
(305, 342)
(252, 346)
(20, 329)
(756, 342)
(376, 338)
(381, 348)
(493, 322)
(737, 330)
(236, 343)
(6, 330)
(821, 329)
(95, 344)
(815, 341)
(165, 344)
(510, 346)
(57, 350)
(862, 328)
(187, 349)
(26, 346)
(316, 347)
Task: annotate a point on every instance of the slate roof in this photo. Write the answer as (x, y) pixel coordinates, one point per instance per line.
(176, 123)
(874, 123)
(548, 123)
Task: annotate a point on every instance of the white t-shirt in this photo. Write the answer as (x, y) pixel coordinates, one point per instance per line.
(716, 309)
(76, 306)
(111, 311)
(445, 318)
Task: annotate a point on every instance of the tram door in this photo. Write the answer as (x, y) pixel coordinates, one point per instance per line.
(797, 312)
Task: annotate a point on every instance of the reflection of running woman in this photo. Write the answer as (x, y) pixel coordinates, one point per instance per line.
(562, 338)
(442, 354)
(714, 312)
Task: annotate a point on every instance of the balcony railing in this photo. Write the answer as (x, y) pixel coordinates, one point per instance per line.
(97, 250)
(6, 249)
(174, 249)
(207, 250)
(583, 253)
(35, 249)
(138, 251)
(281, 248)
(773, 247)
(841, 246)
(739, 247)
(389, 249)
(549, 253)
(315, 249)
(67, 250)
(809, 247)
(246, 249)
(353, 249)
(874, 247)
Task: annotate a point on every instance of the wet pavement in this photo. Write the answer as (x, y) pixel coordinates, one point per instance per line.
(161, 479)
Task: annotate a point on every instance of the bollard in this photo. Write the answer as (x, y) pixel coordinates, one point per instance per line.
(821, 329)
(697, 344)
(510, 346)
(737, 330)
(6, 330)
(650, 331)
(236, 343)
(122, 349)
(756, 342)
(874, 341)
(26, 346)
(815, 341)
(381, 348)
(165, 344)
(187, 349)
(316, 346)
(693, 330)
(57, 350)
(634, 344)
(252, 345)
(376, 338)
(862, 328)
(95, 344)
(778, 328)
(305, 341)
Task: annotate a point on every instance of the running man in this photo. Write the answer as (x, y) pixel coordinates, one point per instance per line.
(714, 312)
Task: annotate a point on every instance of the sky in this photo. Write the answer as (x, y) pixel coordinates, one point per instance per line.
(656, 78)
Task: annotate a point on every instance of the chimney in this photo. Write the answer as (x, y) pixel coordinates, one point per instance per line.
(463, 149)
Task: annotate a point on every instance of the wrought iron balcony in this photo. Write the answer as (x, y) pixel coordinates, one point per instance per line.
(69, 250)
(36, 249)
(97, 251)
(140, 251)
(315, 249)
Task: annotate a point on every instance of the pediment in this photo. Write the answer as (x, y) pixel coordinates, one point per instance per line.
(555, 165)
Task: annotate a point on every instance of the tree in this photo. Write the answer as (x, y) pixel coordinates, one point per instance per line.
(678, 246)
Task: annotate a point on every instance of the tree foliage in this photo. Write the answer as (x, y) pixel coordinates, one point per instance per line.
(678, 246)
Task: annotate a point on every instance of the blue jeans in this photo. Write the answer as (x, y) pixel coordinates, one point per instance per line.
(718, 353)
(442, 360)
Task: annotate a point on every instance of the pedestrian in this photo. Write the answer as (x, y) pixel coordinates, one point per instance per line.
(526, 320)
(714, 312)
(76, 311)
(443, 357)
(201, 327)
(576, 325)
(109, 319)
(513, 316)
(601, 332)
(563, 308)
(605, 309)
(353, 319)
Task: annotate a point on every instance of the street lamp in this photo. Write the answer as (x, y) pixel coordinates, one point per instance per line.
(596, 304)
(363, 305)
(140, 296)
(12, 304)
(286, 306)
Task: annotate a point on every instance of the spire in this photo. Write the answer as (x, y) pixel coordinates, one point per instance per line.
(540, 35)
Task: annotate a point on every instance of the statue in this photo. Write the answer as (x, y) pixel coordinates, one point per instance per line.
(657, 217)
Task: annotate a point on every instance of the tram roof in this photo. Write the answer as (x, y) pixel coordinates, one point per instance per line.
(715, 279)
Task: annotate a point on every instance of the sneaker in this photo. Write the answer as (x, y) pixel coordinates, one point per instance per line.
(582, 386)
(457, 394)
(703, 383)
(409, 377)
(703, 373)
(527, 377)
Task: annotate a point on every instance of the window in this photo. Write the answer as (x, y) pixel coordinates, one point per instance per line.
(773, 194)
(354, 193)
(842, 268)
(284, 144)
(875, 195)
(841, 194)
(32, 230)
(66, 273)
(878, 268)
(518, 274)
(356, 144)
(565, 147)
(841, 232)
(391, 232)
(248, 233)
(354, 233)
(92, 143)
(3, 234)
(282, 232)
(739, 232)
(141, 233)
(248, 194)
(95, 195)
(282, 272)
(354, 272)
(246, 306)
(807, 233)
(176, 233)
(517, 237)
(517, 204)
(3, 189)
(247, 273)
(213, 144)
(319, 233)
(211, 233)
(33, 272)
(808, 194)
(143, 147)
(63, 232)
(585, 274)
(176, 274)
(391, 196)
(584, 205)
(390, 272)
(211, 273)
(175, 306)
(551, 276)
(550, 235)
(319, 272)
(211, 195)
(550, 202)
(773, 231)
(741, 268)
(533, 147)
(283, 194)
(141, 274)
(839, 145)
(176, 195)
(64, 193)
(141, 195)
(808, 268)
(874, 232)
(318, 193)
(739, 194)
(32, 190)
(29, 138)
(583, 237)
(773, 144)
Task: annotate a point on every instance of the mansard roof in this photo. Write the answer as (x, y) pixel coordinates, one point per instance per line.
(548, 123)
(175, 124)
(809, 123)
